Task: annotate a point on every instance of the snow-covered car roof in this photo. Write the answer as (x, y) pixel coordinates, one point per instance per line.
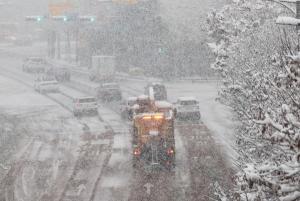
(48, 82)
(187, 98)
(132, 98)
(85, 97)
(155, 83)
(163, 104)
(142, 97)
(42, 78)
(35, 59)
(109, 84)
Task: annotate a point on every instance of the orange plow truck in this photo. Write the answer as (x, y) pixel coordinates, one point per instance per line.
(153, 140)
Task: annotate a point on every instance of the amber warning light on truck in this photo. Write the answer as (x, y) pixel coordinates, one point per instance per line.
(154, 117)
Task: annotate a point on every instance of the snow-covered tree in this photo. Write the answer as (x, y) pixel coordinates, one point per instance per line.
(260, 67)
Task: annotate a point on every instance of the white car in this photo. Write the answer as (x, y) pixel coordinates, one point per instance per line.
(34, 65)
(46, 86)
(85, 105)
(187, 108)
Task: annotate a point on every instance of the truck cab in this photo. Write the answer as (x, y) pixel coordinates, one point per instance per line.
(156, 91)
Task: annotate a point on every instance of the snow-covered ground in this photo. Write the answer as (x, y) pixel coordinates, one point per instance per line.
(110, 152)
(51, 142)
(17, 98)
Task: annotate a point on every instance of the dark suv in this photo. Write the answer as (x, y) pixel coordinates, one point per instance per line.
(109, 92)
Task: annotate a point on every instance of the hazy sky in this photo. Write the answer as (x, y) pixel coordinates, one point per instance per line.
(188, 15)
(184, 16)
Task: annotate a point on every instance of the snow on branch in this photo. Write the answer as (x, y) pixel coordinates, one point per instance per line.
(287, 20)
(297, 79)
(269, 121)
(291, 197)
(288, 1)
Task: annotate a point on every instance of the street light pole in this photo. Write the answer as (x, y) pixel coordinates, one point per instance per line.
(298, 27)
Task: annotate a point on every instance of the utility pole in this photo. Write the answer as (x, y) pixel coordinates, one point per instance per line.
(58, 45)
(298, 27)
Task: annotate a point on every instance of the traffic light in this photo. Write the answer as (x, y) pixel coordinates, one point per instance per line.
(87, 18)
(62, 18)
(35, 18)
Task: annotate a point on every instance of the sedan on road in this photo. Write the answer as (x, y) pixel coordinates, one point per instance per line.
(85, 105)
(187, 108)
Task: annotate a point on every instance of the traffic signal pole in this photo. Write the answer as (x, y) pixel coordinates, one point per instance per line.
(62, 24)
(298, 27)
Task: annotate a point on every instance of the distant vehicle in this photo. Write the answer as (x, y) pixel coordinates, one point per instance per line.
(34, 65)
(157, 91)
(127, 108)
(61, 74)
(85, 105)
(43, 86)
(44, 77)
(188, 108)
(103, 68)
(109, 92)
(135, 71)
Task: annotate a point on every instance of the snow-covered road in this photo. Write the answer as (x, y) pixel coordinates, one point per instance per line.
(56, 139)
(90, 159)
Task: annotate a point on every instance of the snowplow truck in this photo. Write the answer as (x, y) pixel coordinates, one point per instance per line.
(153, 141)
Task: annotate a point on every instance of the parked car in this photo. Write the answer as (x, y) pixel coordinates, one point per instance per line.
(109, 92)
(85, 105)
(34, 65)
(135, 71)
(61, 74)
(46, 86)
(187, 108)
(127, 109)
